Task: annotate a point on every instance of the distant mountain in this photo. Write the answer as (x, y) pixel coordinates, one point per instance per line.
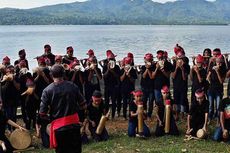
(122, 12)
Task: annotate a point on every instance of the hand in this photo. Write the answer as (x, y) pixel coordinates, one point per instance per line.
(195, 68)
(188, 132)
(157, 66)
(93, 124)
(160, 123)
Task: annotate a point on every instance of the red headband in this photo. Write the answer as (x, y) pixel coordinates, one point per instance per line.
(137, 93)
(127, 60)
(148, 56)
(199, 59)
(165, 89)
(199, 93)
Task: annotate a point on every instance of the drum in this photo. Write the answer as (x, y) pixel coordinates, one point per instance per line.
(201, 134)
(20, 139)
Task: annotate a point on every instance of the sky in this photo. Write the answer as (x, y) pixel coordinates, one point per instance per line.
(36, 3)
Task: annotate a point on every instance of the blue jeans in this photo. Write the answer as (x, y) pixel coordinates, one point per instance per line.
(148, 98)
(218, 134)
(214, 99)
(132, 129)
(158, 95)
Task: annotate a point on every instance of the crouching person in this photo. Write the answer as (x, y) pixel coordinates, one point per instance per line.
(97, 118)
(198, 115)
(166, 123)
(222, 132)
(137, 116)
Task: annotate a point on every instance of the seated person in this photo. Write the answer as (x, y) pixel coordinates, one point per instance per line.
(222, 132)
(5, 144)
(95, 111)
(198, 114)
(161, 113)
(133, 116)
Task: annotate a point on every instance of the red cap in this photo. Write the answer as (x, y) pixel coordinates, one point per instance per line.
(130, 55)
(6, 59)
(168, 102)
(148, 57)
(199, 93)
(127, 60)
(58, 57)
(110, 54)
(199, 59)
(180, 54)
(165, 89)
(177, 49)
(137, 93)
(90, 52)
(41, 60)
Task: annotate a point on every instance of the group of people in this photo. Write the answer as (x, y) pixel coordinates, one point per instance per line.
(62, 98)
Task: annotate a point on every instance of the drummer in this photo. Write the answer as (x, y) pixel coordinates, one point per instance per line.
(198, 114)
(3, 122)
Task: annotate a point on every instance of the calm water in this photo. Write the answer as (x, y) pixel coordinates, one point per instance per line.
(120, 39)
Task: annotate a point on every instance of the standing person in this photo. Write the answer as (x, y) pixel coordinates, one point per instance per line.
(198, 76)
(22, 57)
(92, 76)
(111, 76)
(216, 77)
(6, 61)
(228, 76)
(48, 55)
(161, 114)
(222, 132)
(10, 94)
(128, 77)
(207, 54)
(180, 74)
(161, 75)
(147, 83)
(198, 114)
(69, 58)
(62, 100)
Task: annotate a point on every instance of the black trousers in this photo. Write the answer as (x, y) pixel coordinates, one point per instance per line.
(68, 140)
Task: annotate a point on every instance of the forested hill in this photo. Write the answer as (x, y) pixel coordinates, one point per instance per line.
(121, 12)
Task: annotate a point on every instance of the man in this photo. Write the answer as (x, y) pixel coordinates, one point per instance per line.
(69, 58)
(111, 75)
(48, 55)
(147, 83)
(22, 57)
(62, 99)
(198, 115)
(161, 74)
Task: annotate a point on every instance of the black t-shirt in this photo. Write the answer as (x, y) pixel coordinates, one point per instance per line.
(178, 82)
(161, 109)
(110, 79)
(215, 84)
(147, 83)
(132, 108)
(3, 123)
(51, 57)
(195, 81)
(198, 111)
(95, 113)
(160, 79)
(61, 100)
(10, 94)
(128, 86)
(41, 84)
(225, 108)
(94, 80)
(68, 60)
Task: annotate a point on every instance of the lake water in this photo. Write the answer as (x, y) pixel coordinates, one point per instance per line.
(138, 39)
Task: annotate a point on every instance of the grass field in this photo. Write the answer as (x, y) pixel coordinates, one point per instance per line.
(119, 142)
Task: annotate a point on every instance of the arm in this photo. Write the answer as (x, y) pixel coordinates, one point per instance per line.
(221, 79)
(122, 78)
(222, 121)
(10, 122)
(205, 122)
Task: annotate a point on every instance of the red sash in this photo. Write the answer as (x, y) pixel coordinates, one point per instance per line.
(58, 123)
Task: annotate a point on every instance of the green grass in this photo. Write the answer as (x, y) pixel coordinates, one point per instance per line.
(119, 142)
